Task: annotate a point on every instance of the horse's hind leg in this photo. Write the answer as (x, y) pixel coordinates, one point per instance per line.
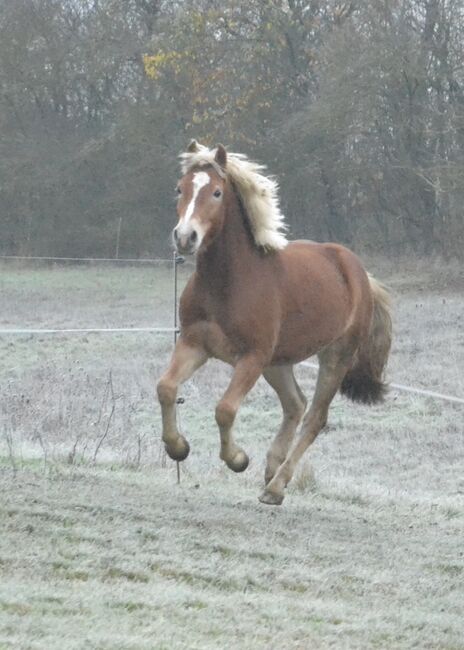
(184, 361)
(293, 402)
(333, 365)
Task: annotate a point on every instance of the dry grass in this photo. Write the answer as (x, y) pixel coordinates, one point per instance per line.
(366, 551)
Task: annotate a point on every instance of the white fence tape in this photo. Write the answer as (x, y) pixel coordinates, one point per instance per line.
(140, 260)
(88, 330)
(406, 389)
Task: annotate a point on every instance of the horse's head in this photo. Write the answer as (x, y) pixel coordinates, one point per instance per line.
(200, 203)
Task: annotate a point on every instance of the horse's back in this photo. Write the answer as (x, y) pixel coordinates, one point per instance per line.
(330, 266)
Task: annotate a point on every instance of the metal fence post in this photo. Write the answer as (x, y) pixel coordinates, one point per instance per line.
(176, 260)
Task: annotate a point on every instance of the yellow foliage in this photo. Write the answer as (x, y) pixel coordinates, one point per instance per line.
(154, 63)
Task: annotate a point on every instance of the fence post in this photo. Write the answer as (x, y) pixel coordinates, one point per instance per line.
(118, 237)
(176, 260)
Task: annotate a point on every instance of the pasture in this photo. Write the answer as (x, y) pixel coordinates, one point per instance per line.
(100, 548)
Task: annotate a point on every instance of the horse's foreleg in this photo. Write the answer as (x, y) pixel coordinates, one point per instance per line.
(185, 360)
(331, 373)
(293, 402)
(246, 372)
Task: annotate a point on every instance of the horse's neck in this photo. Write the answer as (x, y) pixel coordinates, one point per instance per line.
(232, 256)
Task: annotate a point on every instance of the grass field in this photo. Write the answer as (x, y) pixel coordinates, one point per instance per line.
(100, 548)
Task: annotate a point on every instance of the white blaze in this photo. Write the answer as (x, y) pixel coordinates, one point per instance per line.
(200, 179)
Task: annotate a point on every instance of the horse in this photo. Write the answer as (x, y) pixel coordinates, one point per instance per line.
(262, 304)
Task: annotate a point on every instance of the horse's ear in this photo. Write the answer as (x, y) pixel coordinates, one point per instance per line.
(193, 146)
(221, 156)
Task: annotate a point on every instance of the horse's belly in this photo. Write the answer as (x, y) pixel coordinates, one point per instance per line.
(301, 336)
(296, 349)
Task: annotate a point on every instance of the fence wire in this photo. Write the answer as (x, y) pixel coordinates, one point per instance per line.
(138, 260)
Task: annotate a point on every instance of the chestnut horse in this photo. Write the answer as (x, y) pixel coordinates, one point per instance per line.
(262, 304)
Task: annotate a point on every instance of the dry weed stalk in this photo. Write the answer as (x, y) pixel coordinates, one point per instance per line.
(7, 434)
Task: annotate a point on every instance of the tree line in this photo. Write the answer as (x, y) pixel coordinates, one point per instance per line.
(357, 108)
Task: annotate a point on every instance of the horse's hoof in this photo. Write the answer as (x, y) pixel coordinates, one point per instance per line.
(271, 498)
(239, 462)
(179, 450)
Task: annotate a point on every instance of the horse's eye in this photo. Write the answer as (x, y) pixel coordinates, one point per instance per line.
(217, 194)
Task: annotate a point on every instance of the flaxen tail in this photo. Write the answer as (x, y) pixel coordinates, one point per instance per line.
(363, 383)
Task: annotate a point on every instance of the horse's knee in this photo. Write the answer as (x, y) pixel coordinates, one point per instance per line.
(166, 391)
(225, 414)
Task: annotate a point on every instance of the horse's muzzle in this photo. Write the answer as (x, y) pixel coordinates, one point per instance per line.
(185, 244)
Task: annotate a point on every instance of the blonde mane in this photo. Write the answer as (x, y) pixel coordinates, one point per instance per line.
(258, 193)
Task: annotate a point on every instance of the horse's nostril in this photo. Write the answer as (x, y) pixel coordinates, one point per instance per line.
(193, 237)
(176, 235)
